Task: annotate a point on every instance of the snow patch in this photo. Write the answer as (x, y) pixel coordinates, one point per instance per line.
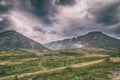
(78, 45)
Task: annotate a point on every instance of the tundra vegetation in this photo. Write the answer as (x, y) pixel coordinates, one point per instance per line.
(69, 64)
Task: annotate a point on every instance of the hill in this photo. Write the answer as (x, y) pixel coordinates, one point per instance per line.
(14, 40)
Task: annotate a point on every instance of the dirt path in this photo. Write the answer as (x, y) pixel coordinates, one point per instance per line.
(88, 56)
(115, 59)
(16, 62)
(5, 55)
(53, 70)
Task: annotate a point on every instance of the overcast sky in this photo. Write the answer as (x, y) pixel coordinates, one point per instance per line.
(50, 20)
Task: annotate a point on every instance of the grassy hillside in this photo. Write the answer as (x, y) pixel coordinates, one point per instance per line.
(74, 64)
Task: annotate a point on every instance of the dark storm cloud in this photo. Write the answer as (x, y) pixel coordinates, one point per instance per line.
(5, 6)
(116, 30)
(4, 23)
(57, 19)
(41, 4)
(3, 9)
(66, 2)
(48, 8)
(43, 9)
(109, 15)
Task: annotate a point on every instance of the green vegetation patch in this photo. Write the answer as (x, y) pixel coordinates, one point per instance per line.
(95, 72)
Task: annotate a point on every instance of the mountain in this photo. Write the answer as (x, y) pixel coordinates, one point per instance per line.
(14, 40)
(92, 39)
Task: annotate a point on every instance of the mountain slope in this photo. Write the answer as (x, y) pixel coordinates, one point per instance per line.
(92, 39)
(14, 40)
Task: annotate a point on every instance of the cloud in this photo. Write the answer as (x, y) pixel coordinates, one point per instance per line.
(4, 23)
(43, 9)
(66, 2)
(109, 15)
(5, 6)
(49, 20)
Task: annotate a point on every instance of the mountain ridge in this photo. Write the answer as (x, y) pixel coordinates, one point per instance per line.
(14, 40)
(92, 39)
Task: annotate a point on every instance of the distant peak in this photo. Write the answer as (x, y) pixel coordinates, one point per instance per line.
(11, 31)
(96, 32)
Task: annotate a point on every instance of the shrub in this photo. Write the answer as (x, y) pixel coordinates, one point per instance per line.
(2, 72)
